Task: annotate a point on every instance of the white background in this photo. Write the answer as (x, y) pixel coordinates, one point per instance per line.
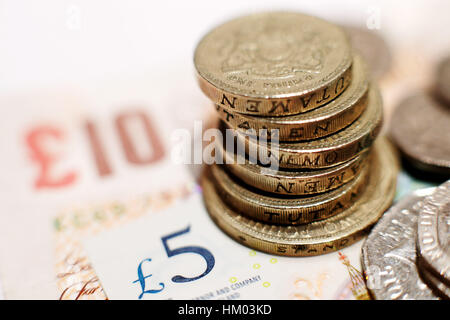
(54, 43)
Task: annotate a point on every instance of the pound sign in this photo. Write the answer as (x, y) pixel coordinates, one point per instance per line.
(141, 279)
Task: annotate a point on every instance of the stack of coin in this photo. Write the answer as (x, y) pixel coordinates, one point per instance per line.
(291, 88)
(407, 254)
(420, 127)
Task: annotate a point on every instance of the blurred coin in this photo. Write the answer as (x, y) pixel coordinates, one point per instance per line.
(274, 63)
(443, 79)
(389, 253)
(290, 181)
(434, 232)
(329, 151)
(317, 237)
(372, 47)
(420, 128)
(288, 210)
(317, 123)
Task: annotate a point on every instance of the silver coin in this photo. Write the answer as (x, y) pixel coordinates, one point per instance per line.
(434, 231)
(433, 281)
(389, 253)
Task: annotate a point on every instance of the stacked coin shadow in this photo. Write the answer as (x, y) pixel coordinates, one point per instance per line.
(407, 254)
(310, 179)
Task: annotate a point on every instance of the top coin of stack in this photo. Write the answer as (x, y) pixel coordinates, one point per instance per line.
(295, 79)
(274, 64)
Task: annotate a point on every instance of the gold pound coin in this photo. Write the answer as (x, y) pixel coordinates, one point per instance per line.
(317, 123)
(274, 63)
(287, 210)
(289, 181)
(324, 152)
(318, 237)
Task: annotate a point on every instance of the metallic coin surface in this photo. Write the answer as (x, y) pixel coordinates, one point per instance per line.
(314, 238)
(317, 123)
(286, 210)
(443, 79)
(372, 47)
(434, 231)
(420, 128)
(290, 181)
(389, 253)
(433, 281)
(274, 63)
(329, 151)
